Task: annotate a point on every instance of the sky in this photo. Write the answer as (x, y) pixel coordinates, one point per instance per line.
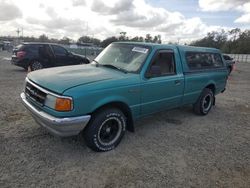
(174, 20)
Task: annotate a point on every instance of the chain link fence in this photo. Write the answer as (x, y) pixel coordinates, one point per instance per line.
(243, 58)
(89, 52)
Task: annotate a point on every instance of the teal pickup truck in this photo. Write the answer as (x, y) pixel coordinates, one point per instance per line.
(125, 82)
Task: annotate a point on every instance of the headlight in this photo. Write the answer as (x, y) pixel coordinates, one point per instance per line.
(59, 103)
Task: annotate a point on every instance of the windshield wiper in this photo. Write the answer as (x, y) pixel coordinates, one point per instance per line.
(114, 67)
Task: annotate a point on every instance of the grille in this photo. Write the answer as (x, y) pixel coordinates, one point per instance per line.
(34, 93)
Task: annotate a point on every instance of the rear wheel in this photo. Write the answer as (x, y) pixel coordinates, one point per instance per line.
(36, 65)
(205, 102)
(105, 130)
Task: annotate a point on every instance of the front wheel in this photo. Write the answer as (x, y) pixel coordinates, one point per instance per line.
(105, 130)
(205, 102)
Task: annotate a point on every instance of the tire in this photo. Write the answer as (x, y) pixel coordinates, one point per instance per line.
(105, 130)
(36, 65)
(205, 102)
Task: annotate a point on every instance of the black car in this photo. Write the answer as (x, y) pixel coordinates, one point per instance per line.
(1, 46)
(230, 62)
(44, 55)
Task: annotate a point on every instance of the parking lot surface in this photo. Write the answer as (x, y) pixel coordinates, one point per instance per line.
(170, 149)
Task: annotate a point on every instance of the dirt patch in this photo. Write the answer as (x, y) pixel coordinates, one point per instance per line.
(173, 121)
(243, 108)
(10, 117)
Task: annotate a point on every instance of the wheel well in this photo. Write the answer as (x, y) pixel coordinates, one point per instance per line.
(124, 108)
(212, 87)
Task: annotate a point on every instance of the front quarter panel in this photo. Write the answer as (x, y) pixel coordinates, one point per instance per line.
(88, 98)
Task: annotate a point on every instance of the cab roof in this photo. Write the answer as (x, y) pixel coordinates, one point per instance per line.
(39, 43)
(180, 47)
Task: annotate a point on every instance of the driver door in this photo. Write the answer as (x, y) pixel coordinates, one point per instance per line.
(163, 85)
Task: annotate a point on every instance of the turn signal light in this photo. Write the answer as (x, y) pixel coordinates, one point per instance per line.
(63, 104)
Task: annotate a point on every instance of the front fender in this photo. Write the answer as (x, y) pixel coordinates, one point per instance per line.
(108, 100)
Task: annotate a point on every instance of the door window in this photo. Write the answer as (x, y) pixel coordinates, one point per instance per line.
(164, 62)
(59, 51)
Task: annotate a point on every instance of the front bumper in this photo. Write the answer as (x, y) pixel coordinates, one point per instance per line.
(62, 127)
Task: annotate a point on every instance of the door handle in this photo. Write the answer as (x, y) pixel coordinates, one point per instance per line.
(177, 82)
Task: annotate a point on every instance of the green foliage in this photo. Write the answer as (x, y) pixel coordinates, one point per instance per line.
(65, 40)
(123, 37)
(87, 39)
(234, 41)
(108, 41)
(43, 38)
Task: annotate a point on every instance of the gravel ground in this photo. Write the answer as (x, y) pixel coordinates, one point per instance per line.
(170, 149)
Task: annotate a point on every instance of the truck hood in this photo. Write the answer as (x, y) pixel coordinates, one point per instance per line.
(62, 78)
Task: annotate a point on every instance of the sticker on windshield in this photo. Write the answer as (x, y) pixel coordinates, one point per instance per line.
(139, 49)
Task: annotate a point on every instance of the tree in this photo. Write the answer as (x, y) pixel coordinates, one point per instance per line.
(65, 40)
(87, 39)
(234, 33)
(108, 41)
(43, 38)
(234, 41)
(137, 39)
(157, 39)
(123, 36)
(148, 38)
(243, 43)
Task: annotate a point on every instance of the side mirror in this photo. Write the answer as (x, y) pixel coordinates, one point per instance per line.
(154, 71)
(70, 53)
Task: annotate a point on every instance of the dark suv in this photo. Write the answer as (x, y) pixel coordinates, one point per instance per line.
(230, 62)
(44, 55)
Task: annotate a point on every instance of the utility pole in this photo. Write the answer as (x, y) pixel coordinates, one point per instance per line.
(18, 32)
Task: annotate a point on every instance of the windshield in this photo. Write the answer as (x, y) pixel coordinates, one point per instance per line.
(19, 47)
(127, 57)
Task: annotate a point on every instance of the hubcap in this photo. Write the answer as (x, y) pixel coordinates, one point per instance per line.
(207, 102)
(110, 131)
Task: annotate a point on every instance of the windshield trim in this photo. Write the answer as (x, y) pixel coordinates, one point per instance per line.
(114, 67)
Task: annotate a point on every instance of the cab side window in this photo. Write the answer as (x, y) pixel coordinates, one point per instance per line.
(164, 61)
(202, 60)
